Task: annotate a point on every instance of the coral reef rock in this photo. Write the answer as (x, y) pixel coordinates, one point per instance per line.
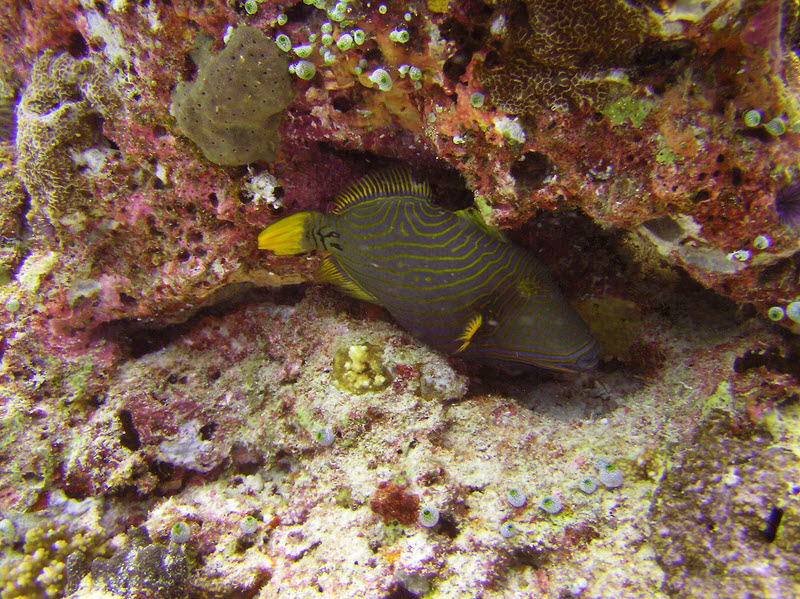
(183, 415)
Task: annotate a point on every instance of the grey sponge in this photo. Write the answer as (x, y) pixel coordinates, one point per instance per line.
(234, 107)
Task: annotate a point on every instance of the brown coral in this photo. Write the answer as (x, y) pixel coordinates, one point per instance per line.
(560, 53)
(393, 502)
(234, 108)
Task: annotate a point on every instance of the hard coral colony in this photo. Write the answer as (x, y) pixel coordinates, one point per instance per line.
(183, 415)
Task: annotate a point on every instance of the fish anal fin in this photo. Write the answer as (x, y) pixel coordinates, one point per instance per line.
(470, 329)
(395, 182)
(331, 272)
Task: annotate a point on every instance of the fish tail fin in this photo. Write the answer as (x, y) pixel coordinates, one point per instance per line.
(287, 236)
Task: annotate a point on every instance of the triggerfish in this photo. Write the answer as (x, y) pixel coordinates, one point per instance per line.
(447, 277)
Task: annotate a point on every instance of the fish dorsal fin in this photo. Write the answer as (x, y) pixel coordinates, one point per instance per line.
(470, 329)
(387, 184)
(473, 215)
(331, 272)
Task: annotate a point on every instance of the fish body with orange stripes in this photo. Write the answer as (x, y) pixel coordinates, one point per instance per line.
(447, 277)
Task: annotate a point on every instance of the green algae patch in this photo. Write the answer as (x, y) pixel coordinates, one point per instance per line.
(483, 205)
(359, 369)
(666, 155)
(616, 323)
(630, 109)
(783, 423)
(721, 400)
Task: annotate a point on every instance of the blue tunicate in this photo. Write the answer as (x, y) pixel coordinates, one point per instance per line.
(180, 533)
(304, 50)
(611, 476)
(283, 42)
(793, 311)
(345, 42)
(382, 79)
(508, 530)
(517, 498)
(762, 242)
(249, 525)
(588, 485)
(304, 69)
(400, 36)
(338, 12)
(776, 313)
(740, 255)
(428, 517)
(325, 436)
(551, 505)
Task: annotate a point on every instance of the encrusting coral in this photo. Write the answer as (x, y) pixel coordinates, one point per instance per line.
(59, 117)
(559, 53)
(359, 369)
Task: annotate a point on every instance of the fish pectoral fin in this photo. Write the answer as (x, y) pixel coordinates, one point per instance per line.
(469, 332)
(287, 236)
(331, 272)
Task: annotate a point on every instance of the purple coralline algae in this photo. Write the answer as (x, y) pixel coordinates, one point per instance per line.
(185, 416)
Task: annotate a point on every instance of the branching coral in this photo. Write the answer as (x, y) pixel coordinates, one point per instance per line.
(559, 53)
(40, 570)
